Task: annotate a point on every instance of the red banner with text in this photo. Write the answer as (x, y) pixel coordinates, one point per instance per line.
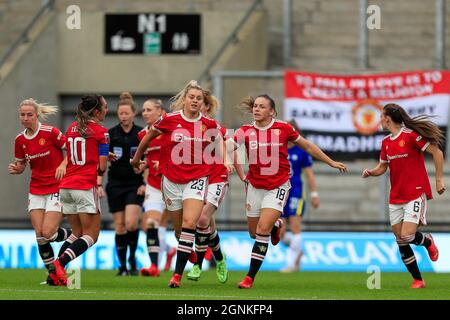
(341, 113)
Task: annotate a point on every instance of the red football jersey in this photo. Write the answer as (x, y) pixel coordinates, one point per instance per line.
(267, 152)
(186, 141)
(404, 154)
(83, 156)
(218, 172)
(43, 150)
(153, 154)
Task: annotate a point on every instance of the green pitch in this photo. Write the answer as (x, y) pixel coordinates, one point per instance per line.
(24, 284)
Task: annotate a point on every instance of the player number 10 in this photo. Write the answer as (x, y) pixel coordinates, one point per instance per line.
(75, 157)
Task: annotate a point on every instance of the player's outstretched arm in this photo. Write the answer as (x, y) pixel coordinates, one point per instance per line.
(317, 153)
(438, 158)
(377, 171)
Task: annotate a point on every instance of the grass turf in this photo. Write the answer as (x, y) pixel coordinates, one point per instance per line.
(23, 284)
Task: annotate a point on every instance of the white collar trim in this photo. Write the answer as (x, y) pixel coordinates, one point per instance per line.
(397, 135)
(34, 134)
(188, 119)
(266, 127)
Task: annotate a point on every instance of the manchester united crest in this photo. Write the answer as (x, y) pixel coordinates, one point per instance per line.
(401, 143)
(366, 116)
(42, 141)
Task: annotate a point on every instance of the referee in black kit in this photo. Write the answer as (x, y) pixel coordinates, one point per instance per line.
(125, 189)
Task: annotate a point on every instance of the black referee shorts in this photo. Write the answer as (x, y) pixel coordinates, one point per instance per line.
(119, 197)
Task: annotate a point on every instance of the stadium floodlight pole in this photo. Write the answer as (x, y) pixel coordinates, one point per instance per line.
(440, 34)
(363, 42)
(287, 26)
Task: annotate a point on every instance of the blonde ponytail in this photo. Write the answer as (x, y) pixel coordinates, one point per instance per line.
(42, 109)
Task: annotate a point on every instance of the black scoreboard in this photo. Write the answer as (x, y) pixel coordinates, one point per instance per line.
(152, 33)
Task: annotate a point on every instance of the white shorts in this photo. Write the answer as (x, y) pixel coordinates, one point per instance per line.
(153, 199)
(414, 211)
(80, 201)
(48, 202)
(258, 199)
(174, 193)
(216, 193)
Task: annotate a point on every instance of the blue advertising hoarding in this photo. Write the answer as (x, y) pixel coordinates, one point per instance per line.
(323, 251)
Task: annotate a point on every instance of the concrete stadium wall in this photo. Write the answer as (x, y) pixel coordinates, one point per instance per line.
(83, 67)
(33, 75)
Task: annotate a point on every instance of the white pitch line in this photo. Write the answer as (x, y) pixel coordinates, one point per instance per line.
(148, 294)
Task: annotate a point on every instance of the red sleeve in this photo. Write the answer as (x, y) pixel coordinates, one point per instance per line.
(383, 156)
(223, 131)
(58, 138)
(141, 135)
(418, 141)
(102, 135)
(18, 150)
(239, 136)
(292, 134)
(162, 125)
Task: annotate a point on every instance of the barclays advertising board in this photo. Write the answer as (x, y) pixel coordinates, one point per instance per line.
(323, 251)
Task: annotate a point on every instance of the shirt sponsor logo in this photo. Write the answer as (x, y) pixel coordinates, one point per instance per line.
(179, 137)
(396, 156)
(38, 155)
(270, 144)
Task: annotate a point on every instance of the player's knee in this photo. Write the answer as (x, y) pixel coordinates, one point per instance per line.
(48, 233)
(152, 223)
(404, 237)
(120, 228)
(91, 238)
(131, 227)
(189, 224)
(38, 232)
(203, 222)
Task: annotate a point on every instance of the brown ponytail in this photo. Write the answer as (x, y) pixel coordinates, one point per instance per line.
(421, 124)
(88, 104)
(247, 103)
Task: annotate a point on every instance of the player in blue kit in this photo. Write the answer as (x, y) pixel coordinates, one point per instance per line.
(296, 203)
